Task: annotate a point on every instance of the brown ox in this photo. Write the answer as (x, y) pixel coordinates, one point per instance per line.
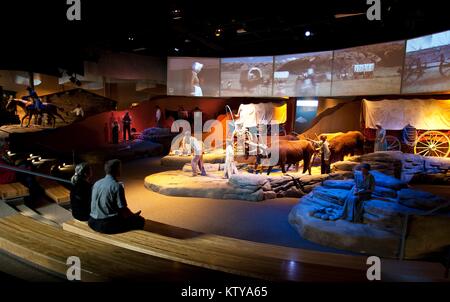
(292, 152)
(344, 144)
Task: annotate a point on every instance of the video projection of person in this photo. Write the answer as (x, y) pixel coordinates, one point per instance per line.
(248, 76)
(188, 76)
(427, 64)
(307, 74)
(368, 70)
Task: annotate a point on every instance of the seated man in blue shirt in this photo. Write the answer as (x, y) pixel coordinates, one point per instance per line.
(109, 211)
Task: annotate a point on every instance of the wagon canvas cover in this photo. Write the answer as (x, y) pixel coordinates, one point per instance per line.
(396, 114)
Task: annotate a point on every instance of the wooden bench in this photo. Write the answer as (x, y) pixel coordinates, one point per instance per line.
(254, 259)
(54, 212)
(13, 191)
(49, 247)
(55, 191)
(6, 210)
(26, 211)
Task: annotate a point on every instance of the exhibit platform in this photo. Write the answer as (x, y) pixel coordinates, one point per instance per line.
(383, 232)
(6, 130)
(243, 186)
(396, 223)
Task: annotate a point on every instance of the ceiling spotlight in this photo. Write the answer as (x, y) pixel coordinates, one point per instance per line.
(218, 32)
(176, 14)
(307, 33)
(131, 38)
(176, 49)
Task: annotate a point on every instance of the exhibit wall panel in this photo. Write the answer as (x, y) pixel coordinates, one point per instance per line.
(340, 118)
(305, 112)
(325, 103)
(18, 81)
(126, 66)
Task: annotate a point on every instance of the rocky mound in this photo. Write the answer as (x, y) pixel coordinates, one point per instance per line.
(383, 221)
(401, 165)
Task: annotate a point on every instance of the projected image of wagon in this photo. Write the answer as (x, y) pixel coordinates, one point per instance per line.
(363, 71)
(368, 70)
(427, 64)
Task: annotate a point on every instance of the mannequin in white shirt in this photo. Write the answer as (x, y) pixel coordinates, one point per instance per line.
(230, 165)
(197, 148)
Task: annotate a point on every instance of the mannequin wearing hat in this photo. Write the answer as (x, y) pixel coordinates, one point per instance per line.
(197, 147)
(353, 208)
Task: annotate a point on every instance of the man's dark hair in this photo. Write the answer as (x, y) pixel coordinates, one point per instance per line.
(112, 166)
(366, 166)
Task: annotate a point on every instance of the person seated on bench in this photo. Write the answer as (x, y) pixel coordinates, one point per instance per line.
(109, 211)
(80, 194)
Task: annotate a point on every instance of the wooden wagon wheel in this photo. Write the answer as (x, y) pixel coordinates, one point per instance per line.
(432, 143)
(393, 143)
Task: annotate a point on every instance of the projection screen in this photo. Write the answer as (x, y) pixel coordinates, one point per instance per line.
(188, 76)
(307, 74)
(368, 70)
(247, 76)
(427, 64)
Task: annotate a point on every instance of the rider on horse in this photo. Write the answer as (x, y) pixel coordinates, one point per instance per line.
(35, 101)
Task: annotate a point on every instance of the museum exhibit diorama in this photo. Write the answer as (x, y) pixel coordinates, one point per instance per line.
(224, 157)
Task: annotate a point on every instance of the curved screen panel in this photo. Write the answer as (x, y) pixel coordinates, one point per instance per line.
(246, 76)
(427, 64)
(189, 76)
(307, 74)
(368, 70)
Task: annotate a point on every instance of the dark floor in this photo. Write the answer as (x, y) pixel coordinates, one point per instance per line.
(265, 221)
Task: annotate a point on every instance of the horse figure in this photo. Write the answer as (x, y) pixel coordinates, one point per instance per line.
(30, 109)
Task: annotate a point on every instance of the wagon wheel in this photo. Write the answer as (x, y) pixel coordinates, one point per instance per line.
(393, 143)
(432, 143)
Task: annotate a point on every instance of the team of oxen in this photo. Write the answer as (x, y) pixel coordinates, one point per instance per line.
(296, 148)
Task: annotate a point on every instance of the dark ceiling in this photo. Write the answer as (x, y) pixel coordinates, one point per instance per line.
(37, 36)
